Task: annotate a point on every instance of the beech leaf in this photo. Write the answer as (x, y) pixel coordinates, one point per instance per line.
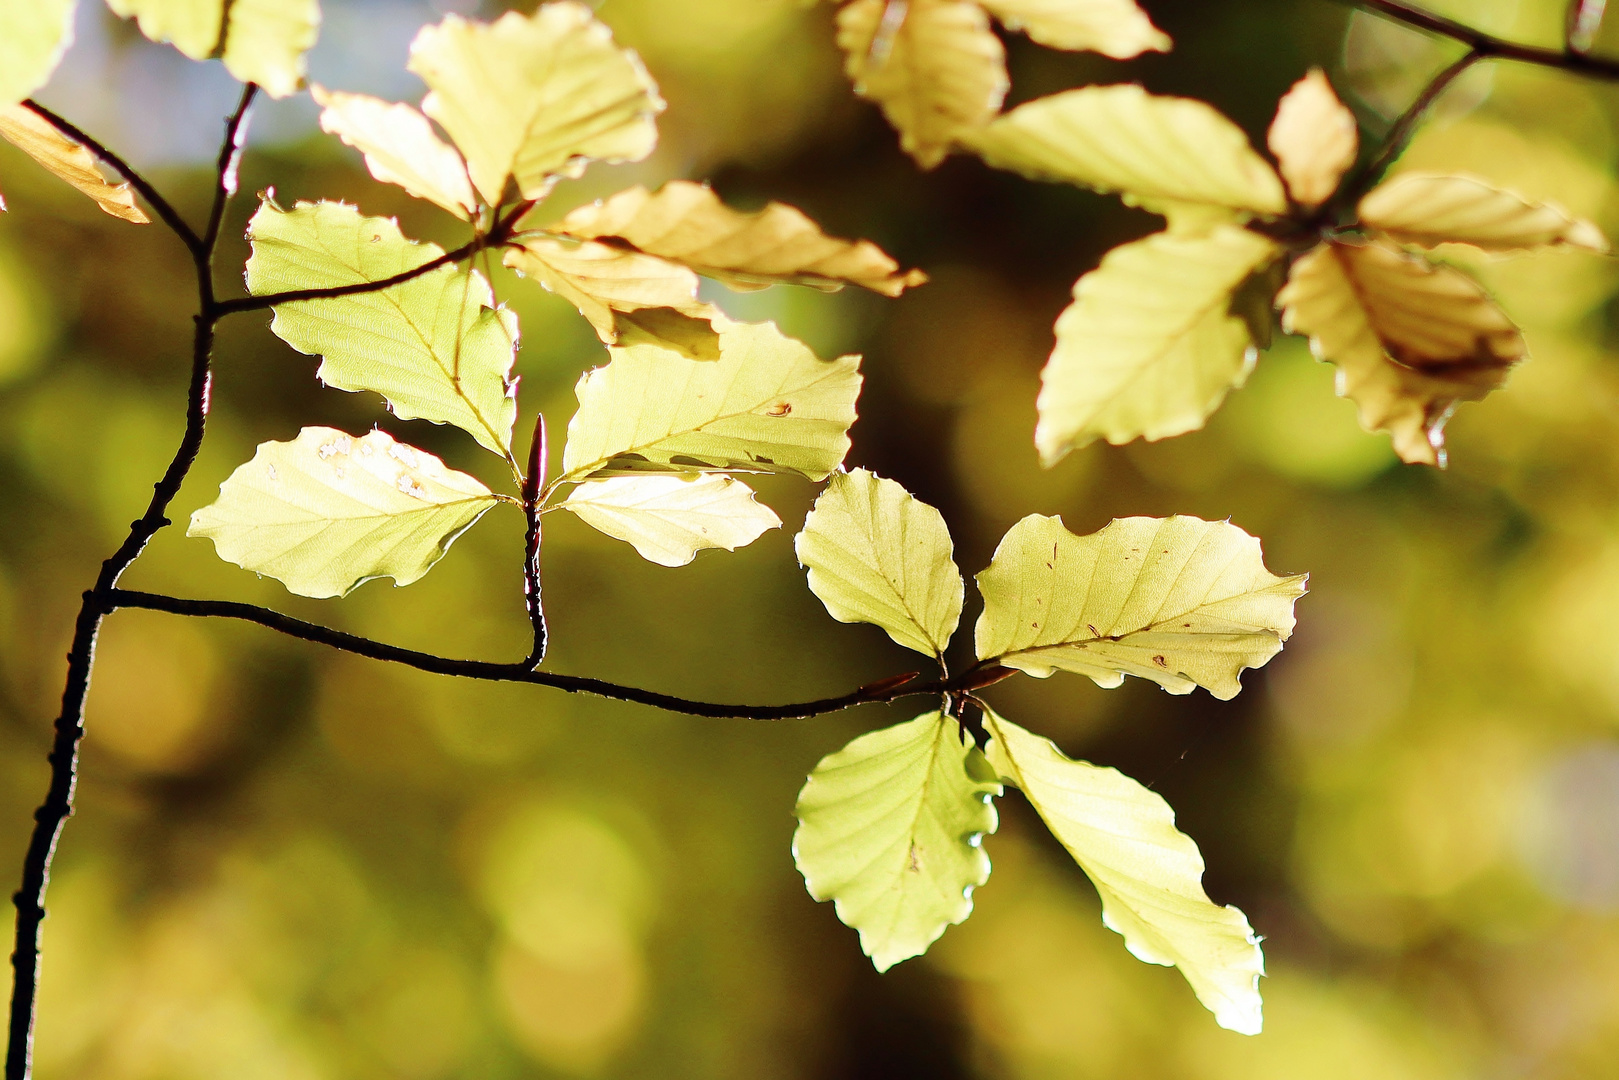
(1174, 156)
(1181, 601)
(1410, 338)
(876, 554)
(261, 41)
(1314, 138)
(30, 133)
(432, 346)
(1428, 210)
(890, 830)
(534, 97)
(688, 224)
(768, 404)
(935, 67)
(33, 36)
(669, 519)
(400, 147)
(1148, 873)
(328, 511)
(1116, 28)
(1150, 345)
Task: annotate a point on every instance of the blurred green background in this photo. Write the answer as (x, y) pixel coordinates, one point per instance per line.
(298, 865)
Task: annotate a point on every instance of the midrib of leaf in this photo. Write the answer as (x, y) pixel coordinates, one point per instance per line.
(921, 802)
(1199, 313)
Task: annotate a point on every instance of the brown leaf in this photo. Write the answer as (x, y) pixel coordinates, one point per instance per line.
(1411, 338)
(1314, 139)
(688, 224)
(934, 66)
(1428, 210)
(26, 130)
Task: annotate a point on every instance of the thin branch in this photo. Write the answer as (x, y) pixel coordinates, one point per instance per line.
(230, 159)
(884, 690)
(1404, 127)
(158, 203)
(533, 484)
(1488, 45)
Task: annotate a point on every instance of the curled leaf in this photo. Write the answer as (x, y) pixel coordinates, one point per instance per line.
(1428, 210)
(30, 133)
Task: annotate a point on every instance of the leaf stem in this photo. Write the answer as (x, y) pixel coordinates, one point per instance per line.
(1400, 134)
(533, 484)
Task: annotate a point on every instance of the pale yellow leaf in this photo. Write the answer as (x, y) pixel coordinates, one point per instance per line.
(1148, 873)
(400, 147)
(328, 511)
(1116, 28)
(263, 42)
(687, 223)
(33, 36)
(934, 66)
(1173, 156)
(1428, 210)
(30, 133)
(670, 518)
(1150, 344)
(534, 97)
(1181, 601)
(1410, 338)
(1314, 139)
(605, 282)
(878, 555)
(768, 404)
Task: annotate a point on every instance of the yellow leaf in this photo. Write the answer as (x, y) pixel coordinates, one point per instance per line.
(1148, 873)
(1116, 28)
(1314, 139)
(1150, 345)
(934, 66)
(669, 519)
(1181, 601)
(24, 128)
(534, 98)
(1410, 338)
(1428, 210)
(605, 282)
(1173, 156)
(399, 147)
(33, 36)
(263, 41)
(687, 223)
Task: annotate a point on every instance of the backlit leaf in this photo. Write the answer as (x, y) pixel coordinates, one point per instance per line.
(890, 830)
(33, 36)
(669, 519)
(531, 98)
(1148, 873)
(328, 511)
(263, 42)
(1428, 210)
(1410, 338)
(934, 66)
(26, 130)
(433, 346)
(610, 285)
(400, 147)
(1314, 139)
(1170, 155)
(687, 223)
(1150, 344)
(1181, 601)
(768, 404)
(1116, 28)
(878, 555)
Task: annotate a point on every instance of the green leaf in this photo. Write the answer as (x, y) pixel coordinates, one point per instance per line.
(33, 36)
(768, 404)
(1150, 346)
(533, 98)
(876, 554)
(400, 147)
(328, 511)
(669, 519)
(1174, 156)
(263, 41)
(1148, 873)
(433, 346)
(890, 830)
(1181, 601)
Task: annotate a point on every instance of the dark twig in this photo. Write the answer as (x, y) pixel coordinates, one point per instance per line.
(1488, 45)
(1400, 134)
(882, 690)
(533, 485)
(170, 216)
